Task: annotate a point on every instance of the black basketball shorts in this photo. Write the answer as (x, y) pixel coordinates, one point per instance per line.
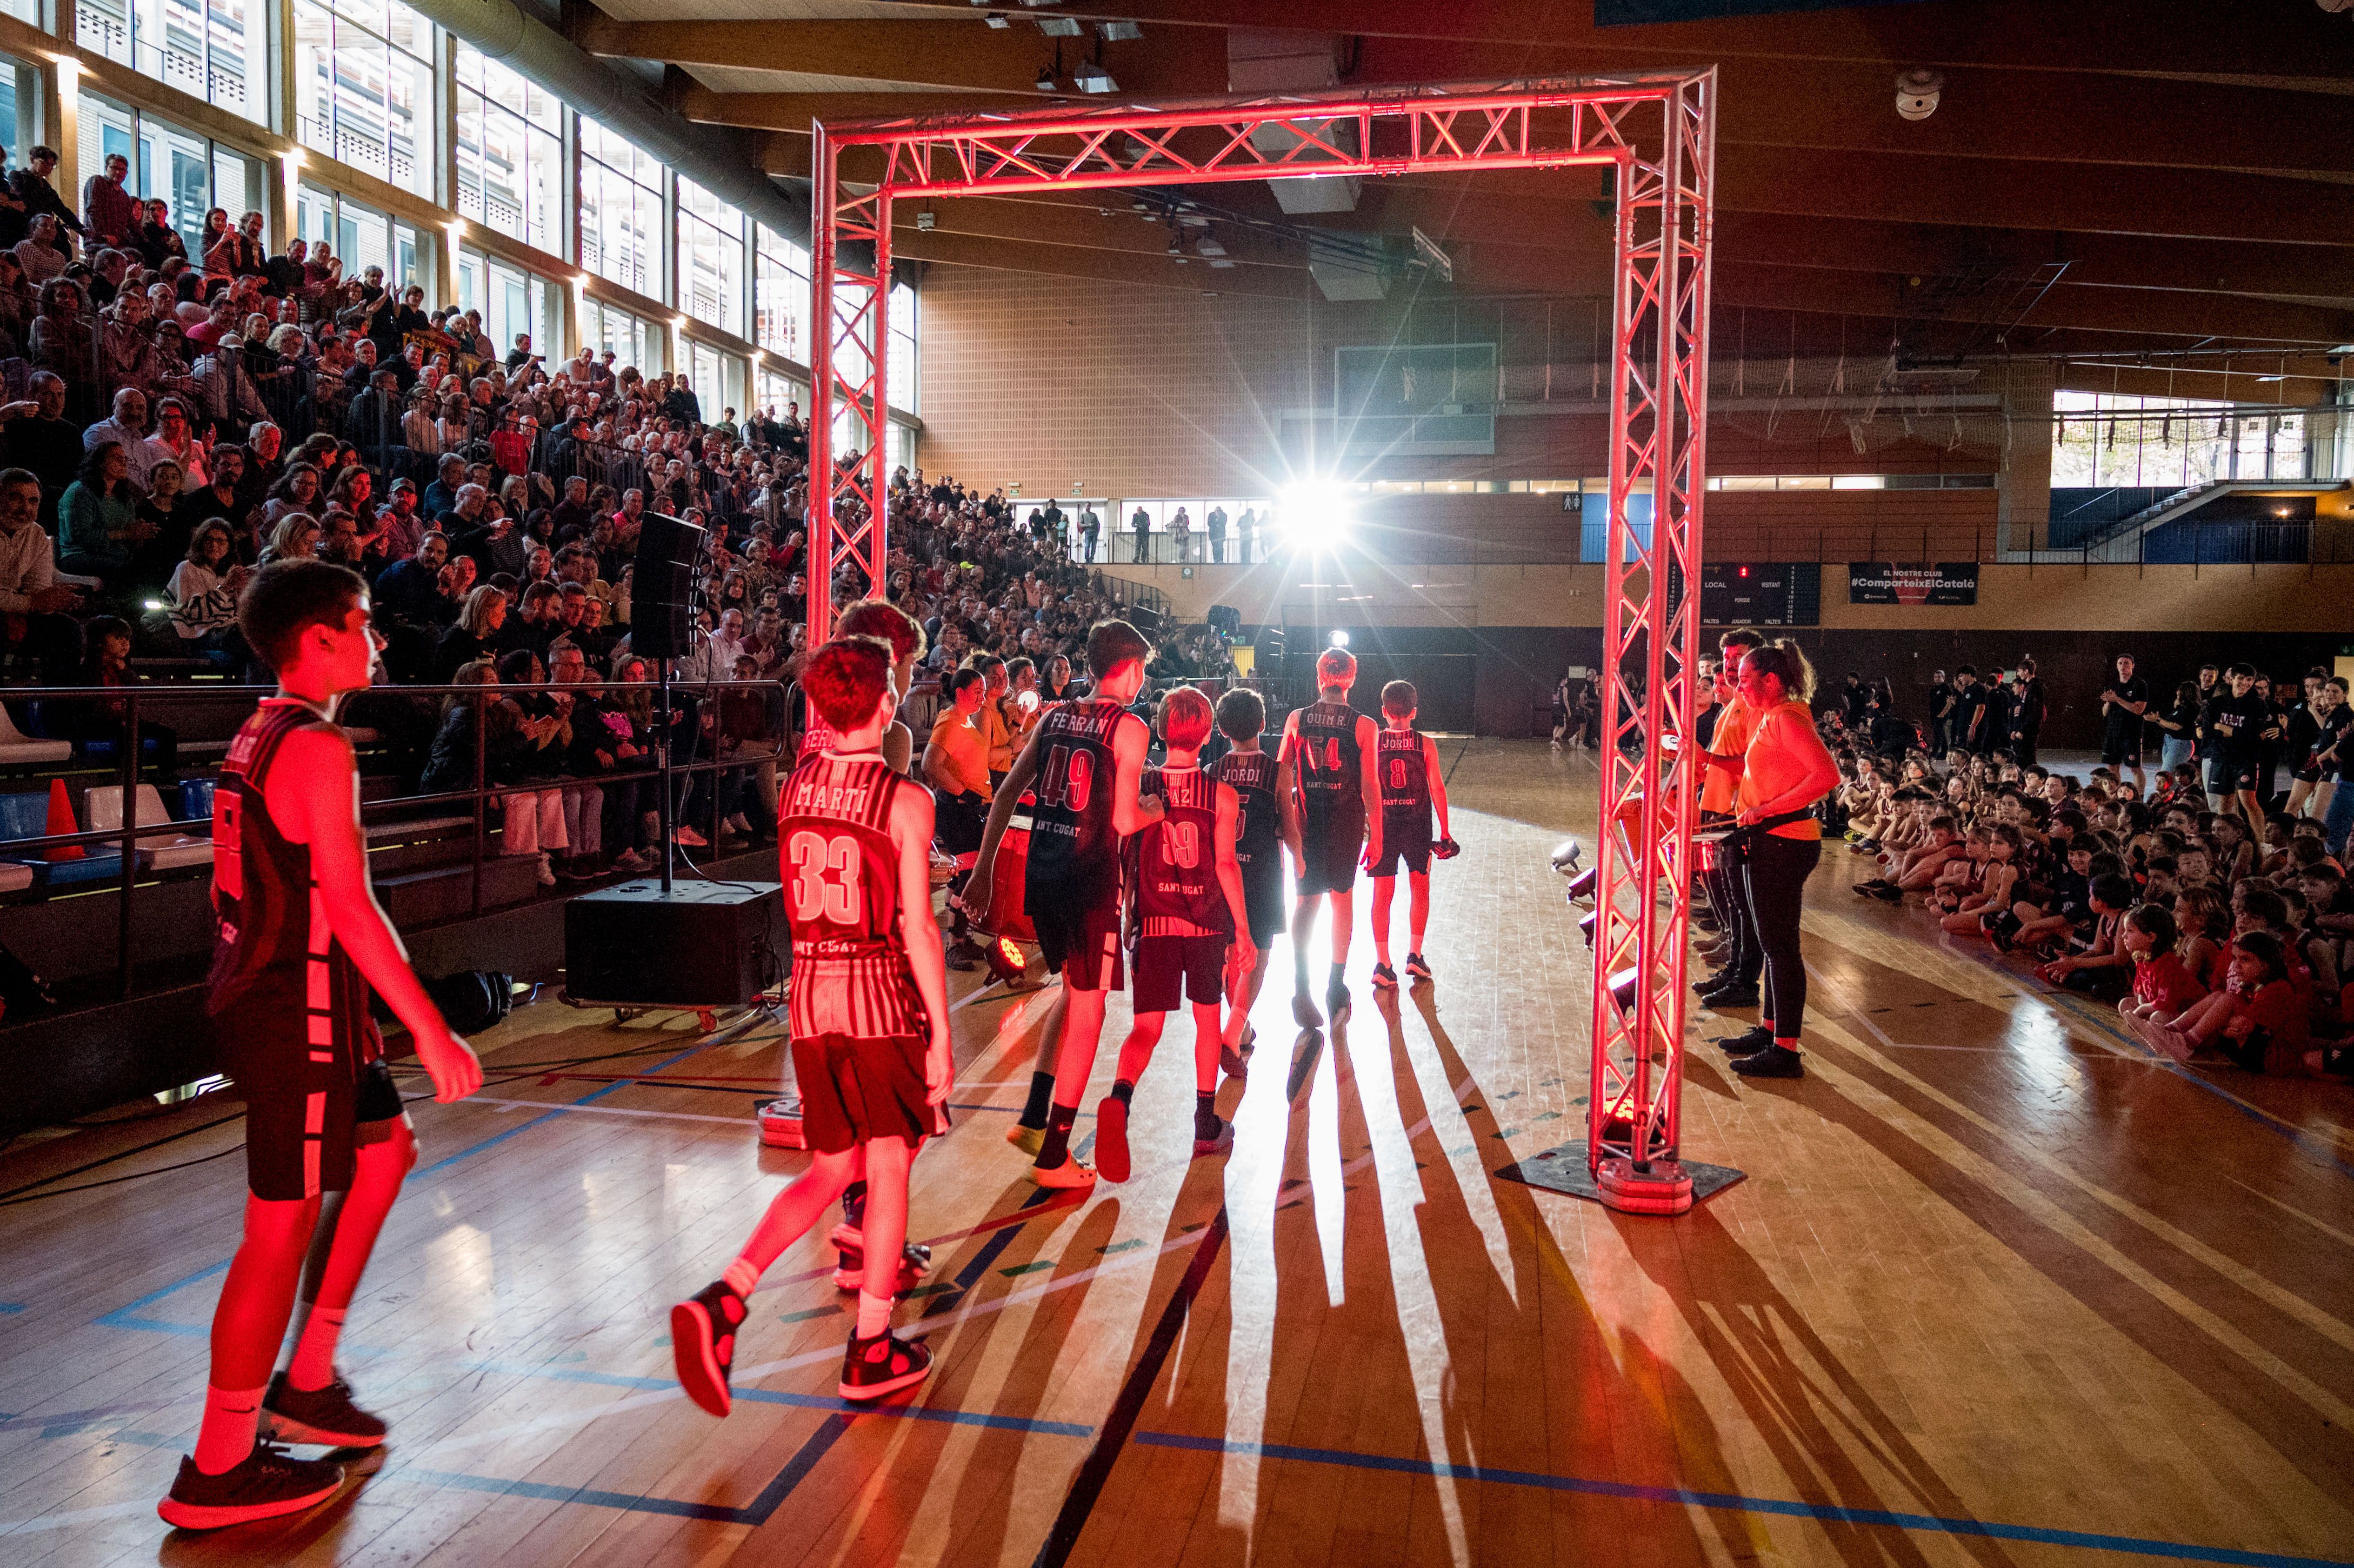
(1332, 851)
(1408, 842)
(308, 1110)
(1174, 970)
(1078, 936)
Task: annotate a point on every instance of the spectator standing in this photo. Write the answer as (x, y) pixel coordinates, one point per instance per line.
(1181, 526)
(1141, 522)
(2177, 727)
(2124, 701)
(1966, 715)
(1217, 524)
(1246, 534)
(109, 213)
(1090, 530)
(31, 187)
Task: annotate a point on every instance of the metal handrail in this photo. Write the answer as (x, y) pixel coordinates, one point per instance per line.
(126, 837)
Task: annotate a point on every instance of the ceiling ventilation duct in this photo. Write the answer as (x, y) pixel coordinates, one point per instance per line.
(1265, 60)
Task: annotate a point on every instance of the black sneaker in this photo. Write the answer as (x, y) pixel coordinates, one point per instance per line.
(1384, 978)
(873, 1368)
(1336, 1001)
(1111, 1139)
(325, 1415)
(1303, 1011)
(1746, 1044)
(1738, 996)
(1714, 980)
(1416, 968)
(850, 1261)
(1889, 892)
(1218, 1142)
(703, 1342)
(1773, 1062)
(266, 1484)
(962, 956)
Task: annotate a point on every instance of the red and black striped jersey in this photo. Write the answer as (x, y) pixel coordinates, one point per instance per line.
(275, 949)
(1177, 891)
(841, 873)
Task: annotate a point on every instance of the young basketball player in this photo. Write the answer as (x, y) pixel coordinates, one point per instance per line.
(302, 942)
(885, 622)
(1249, 771)
(870, 1026)
(1085, 761)
(1326, 768)
(1189, 909)
(1412, 788)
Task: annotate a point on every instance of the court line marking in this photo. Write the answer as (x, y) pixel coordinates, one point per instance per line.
(1736, 1502)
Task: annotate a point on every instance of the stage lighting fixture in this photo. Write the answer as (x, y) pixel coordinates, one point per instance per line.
(1093, 78)
(1339, 640)
(1045, 80)
(1566, 854)
(998, 20)
(1917, 93)
(1059, 26)
(1316, 514)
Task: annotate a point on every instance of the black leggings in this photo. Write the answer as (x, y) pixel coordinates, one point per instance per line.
(1775, 873)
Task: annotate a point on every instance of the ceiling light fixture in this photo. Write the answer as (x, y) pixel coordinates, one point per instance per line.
(1092, 78)
(998, 20)
(1120, 32)
(1059, 26)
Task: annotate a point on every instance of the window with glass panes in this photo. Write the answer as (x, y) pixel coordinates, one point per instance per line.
(511, 299)
(710, 257)
(189, 173)
(620, 210)
(603, 327)
(360, 236)
(218, 50)
(510, 152)
(899, 386)
(364, 88)
(772, 391)
(781, 294)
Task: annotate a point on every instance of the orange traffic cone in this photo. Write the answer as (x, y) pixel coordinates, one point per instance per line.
(61, 821)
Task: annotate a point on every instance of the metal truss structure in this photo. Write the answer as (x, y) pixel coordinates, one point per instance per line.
(1658, 132)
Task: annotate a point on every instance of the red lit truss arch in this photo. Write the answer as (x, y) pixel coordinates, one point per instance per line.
(1659, 132)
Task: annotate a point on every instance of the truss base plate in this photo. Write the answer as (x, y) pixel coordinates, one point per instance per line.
(1563, 1170)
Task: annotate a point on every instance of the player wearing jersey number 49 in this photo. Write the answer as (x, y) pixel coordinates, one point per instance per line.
(1412, 788)
(1188, 911)
(1332, 808)
(869, 1024)
(301, 943)
(1086, 763)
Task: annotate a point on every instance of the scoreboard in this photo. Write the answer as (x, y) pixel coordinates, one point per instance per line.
(1761, 593)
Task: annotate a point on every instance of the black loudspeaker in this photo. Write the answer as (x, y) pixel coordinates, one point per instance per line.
(1269, 646)
(703, 944)
(1225, 618)
(667, 551)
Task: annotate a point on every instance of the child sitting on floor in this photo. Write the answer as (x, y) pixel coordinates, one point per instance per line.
(2104, 968)
(2257, 1019)
(2163, 985)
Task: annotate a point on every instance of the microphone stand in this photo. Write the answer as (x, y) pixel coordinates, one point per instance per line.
(669, 846)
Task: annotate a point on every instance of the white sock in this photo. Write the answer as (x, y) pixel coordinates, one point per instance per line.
(314, 1366)
(874, 1314)
(232, 1420)
(742, 1277)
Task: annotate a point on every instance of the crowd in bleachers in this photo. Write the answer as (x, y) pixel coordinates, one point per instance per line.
(170, 422)
(2205, 898)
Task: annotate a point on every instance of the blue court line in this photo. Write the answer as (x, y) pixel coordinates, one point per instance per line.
(803, 1401)
(128, 1316)
(9, 1307)
(1735, 1502)
(771, 1496)
(555, 1111)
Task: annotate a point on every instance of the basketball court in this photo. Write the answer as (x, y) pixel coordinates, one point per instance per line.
(1997, 1287)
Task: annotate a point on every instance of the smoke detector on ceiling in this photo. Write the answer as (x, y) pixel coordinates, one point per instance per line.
(1918, 91)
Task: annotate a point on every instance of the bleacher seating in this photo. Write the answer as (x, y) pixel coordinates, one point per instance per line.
(103, 807)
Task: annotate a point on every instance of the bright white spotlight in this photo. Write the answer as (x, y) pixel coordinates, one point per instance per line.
(1317, 514)
(1339, 640)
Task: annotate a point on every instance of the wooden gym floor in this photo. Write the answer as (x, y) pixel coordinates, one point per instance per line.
(1998, 1289)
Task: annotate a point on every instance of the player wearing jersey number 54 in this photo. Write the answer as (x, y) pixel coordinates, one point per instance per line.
(301, 943)
(1784, 771)
(869, 1024)
(1331, 801)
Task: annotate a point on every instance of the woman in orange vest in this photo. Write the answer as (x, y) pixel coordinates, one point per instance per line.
(1783, 773)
